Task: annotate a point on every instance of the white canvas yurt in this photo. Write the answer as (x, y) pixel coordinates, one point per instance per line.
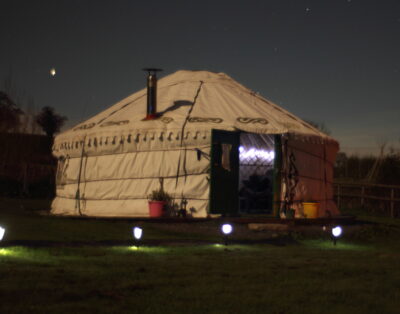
(217, 146)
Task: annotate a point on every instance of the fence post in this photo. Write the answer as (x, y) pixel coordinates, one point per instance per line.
(362, 196)
(392, 203)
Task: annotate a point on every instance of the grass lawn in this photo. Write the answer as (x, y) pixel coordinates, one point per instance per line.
(56, 265)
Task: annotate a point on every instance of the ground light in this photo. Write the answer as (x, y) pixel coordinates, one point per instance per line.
(137, 235)
(2, 231)
(336, 233)
(226, 231)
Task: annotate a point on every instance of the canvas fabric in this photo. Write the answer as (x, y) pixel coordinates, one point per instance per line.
(118, 184)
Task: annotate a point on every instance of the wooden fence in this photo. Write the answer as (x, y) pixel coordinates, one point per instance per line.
(376, 197)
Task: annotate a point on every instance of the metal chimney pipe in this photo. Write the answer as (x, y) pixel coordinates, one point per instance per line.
(151, 93)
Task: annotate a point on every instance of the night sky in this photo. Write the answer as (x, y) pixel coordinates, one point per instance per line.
(335, 62)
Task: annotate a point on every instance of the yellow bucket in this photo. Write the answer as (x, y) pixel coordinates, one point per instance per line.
(310, 210)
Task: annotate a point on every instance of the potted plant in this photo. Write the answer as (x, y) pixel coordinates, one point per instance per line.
(158, 199)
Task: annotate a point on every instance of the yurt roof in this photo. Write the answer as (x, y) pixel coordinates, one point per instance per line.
(189, 102)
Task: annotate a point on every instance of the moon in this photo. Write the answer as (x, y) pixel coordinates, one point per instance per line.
(53, 72)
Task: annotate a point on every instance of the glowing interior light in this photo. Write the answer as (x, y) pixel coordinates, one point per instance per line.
(226, 228)
(337, 231)
(137, 233)
(256, 153)
(2, 231)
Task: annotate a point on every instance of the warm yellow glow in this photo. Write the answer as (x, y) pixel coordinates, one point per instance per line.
(52, 71)
(5, 252)
(143, 249)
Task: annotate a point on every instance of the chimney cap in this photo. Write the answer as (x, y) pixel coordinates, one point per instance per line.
(152, 70)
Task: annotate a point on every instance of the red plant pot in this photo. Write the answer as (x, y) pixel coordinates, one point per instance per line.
(156, 208)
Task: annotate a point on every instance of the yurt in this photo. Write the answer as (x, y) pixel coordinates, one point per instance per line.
(215, 146)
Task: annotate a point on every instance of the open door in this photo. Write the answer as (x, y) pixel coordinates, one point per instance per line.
(224, 182)
(256, 173)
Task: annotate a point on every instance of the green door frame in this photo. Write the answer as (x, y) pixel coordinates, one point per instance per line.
(277, 181)
(224, 183)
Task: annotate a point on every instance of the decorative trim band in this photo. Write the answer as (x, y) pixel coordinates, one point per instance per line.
(166, 120)
(248, 120)
(111, 123)
(200, 119)
(85, 126)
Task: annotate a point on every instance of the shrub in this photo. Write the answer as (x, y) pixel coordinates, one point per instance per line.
(159, 195)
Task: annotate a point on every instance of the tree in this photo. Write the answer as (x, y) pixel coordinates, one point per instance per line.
(9, 114)
(49, 121)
